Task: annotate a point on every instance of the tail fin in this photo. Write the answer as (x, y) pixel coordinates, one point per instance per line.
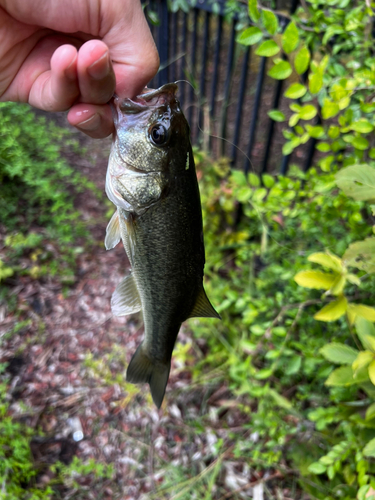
(141, 369)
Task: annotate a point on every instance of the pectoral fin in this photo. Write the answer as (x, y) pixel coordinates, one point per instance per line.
(203, 308)
(113, 236)
(141, 369)
(125, 299)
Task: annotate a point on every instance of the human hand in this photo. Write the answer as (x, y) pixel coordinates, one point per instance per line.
(75, 54)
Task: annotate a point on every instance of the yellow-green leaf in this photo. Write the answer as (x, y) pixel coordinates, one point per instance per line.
(370, 412)
(333, 310)
(362, 125)
(364, 311)
(329, 108)
(250, 36)
(290, 38)
(254, 11)
(341, 377)
(268, 48)
(371, 371)
(339, 285)
(350, 315)
(270, 21)
(369, 449)
(363, 359)
(360, 143)
(366, 333)
(315, 131)
(308, 111)
(295, 91)
(302, 60)
(276, 115)
(317, 468)
(315, 82)
(280, 70)
(340, 354)
(357, 181)
(353, 279)
(315, 279)
(329, 260)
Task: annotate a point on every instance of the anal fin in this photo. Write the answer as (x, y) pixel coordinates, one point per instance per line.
(113, 236)
(142, 369)
(203, 307)
(125, 299)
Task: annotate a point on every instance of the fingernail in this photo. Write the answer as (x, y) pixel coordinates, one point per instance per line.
(100, 68)
(71, 70)
(91, 124)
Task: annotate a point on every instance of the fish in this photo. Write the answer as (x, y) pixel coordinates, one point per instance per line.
(151, 179)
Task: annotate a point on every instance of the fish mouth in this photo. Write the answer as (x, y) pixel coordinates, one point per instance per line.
(166, 94)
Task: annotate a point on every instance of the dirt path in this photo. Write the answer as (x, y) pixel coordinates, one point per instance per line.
(67, 366)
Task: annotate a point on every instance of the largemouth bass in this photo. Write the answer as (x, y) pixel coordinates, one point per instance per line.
(152, 181)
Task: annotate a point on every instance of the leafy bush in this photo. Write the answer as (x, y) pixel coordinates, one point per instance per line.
(269, 346)
(37, 189)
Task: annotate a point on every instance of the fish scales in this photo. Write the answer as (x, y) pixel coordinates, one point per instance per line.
(160, 223)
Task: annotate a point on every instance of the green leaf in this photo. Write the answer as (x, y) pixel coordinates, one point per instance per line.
(329, 260)
(308, 111)
(254, 11)
(360, 143)
(370, 412)
(293, 120)
(270, 21)
(324, 147)
(276, 115)
(317, 468)
(293, 365)
(268, 48)
(280, 400)
(315, 82)
(315, 131)
(290, 38)
(295, 91)
(362, 126)
(280, 71)
(341, 377)
(250, 36)
(357, 181)
(288, 147)
(340, 354)
(329, 109)
(315, 279)
(333, 310)
(369, 449)
(302, 60)
(268, 180)
(253, 179)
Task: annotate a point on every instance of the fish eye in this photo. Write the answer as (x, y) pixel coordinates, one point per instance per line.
(159, 134)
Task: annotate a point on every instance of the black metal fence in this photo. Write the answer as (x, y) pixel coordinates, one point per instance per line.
(231, 92)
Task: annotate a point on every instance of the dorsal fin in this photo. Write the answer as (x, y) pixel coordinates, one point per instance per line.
(203, 308)
(125, 299)
(113, 235)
